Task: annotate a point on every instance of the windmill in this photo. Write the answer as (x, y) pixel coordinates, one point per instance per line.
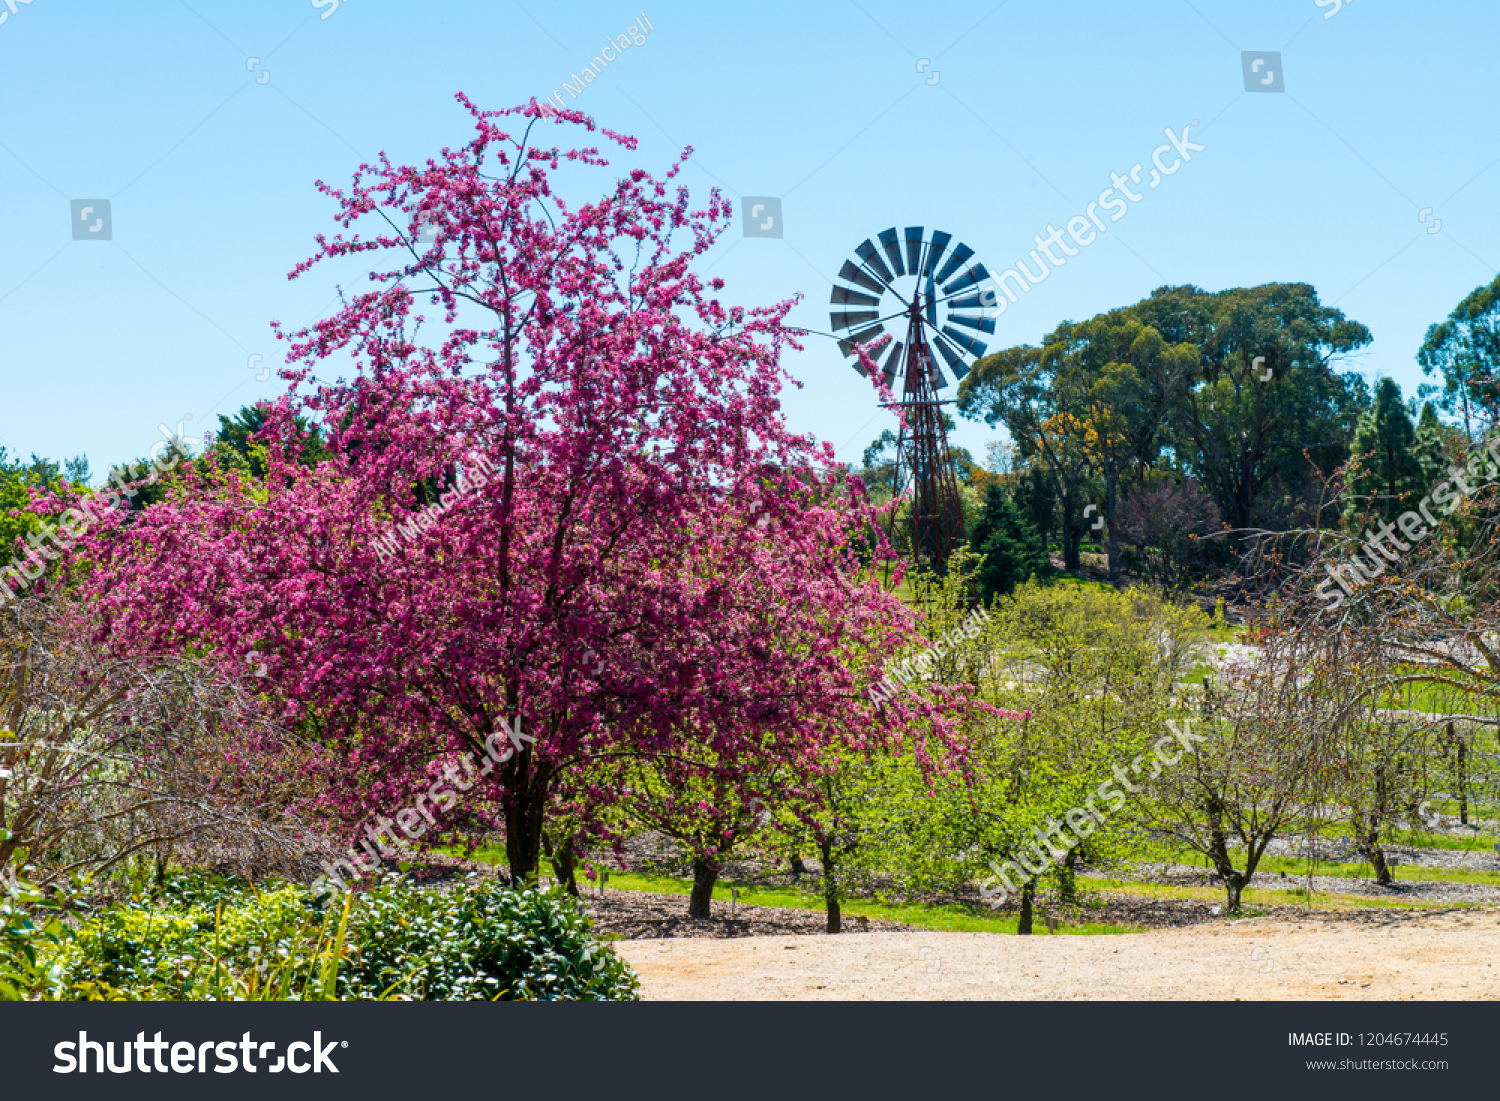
(938, 291)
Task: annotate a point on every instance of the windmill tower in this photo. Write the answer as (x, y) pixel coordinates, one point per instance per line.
(938, 292)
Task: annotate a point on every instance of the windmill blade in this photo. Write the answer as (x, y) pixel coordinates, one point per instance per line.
(954, 359)
(913, 249)
(864, 336)
(892, 365)
(972, 345)
(931, 302)
(844, 320)
(973, 302)
(871, 256)
(973, 276)
(959, 258)
(935, 250)
(858, 277)
(892, 249)
(843, 296)
(982, 324)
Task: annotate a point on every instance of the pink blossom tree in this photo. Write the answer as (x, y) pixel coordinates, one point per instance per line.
(621, 513)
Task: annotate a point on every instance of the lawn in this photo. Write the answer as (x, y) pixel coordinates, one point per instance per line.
(950, 918)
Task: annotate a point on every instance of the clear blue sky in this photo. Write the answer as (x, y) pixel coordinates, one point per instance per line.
(1388, 109)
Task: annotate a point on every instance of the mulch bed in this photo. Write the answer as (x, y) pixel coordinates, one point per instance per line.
(641, 915)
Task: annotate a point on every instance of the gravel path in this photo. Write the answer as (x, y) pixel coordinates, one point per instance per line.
(1367, 955)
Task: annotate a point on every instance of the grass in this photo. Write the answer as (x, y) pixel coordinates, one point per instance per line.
(953, 918)
(1359, 869)
(958, 918)
(1421, 839)
(1404, 873)
(1263, 897)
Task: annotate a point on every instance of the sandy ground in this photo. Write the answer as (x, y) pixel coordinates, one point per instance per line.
(1365, 956)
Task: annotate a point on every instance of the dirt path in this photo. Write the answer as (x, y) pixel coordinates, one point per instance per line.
(1370, 956)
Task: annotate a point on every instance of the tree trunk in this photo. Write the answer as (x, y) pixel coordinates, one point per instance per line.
(524, 816)
(799, 869)
(1463, 778)
(1072, 537)
(1234, 880)
(1234, 884)
(1112, 539)
(705, 875)
(564, 866)
(1069, 887)
(830, 887)
(1028, 893)
(1377, 858)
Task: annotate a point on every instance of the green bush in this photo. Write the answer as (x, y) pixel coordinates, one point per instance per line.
(26, 932)
(212, 939)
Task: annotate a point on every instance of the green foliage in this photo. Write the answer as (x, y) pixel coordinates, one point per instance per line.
(1234, 389)
(1096, 670)
(1465, 348)
(1431, 445)
(17, 521)
(30, 925)
(1034, 495)
(481, 941)
(1387, 477)
(209, 939)
(235, 444)
(1010, 550)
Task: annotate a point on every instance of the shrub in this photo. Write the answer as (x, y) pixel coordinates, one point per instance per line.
(23, 931)
(210, 939)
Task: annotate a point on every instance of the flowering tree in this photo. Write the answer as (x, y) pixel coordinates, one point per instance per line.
(622, 506)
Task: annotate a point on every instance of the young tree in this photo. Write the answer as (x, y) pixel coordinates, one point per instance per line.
(1093, 673)
(1255, 771)
(1010, 551)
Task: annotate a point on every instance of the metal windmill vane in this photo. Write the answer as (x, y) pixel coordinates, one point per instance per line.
(944, 306)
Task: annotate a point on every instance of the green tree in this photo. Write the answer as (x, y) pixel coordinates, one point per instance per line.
(1269, 409)
(1431, 444)
(1015, 387)
(237, 445)
(1087, 676)
(1386, 477)
(17, 478)
(1034, 495)
(1465, 349)
(1009, 548)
